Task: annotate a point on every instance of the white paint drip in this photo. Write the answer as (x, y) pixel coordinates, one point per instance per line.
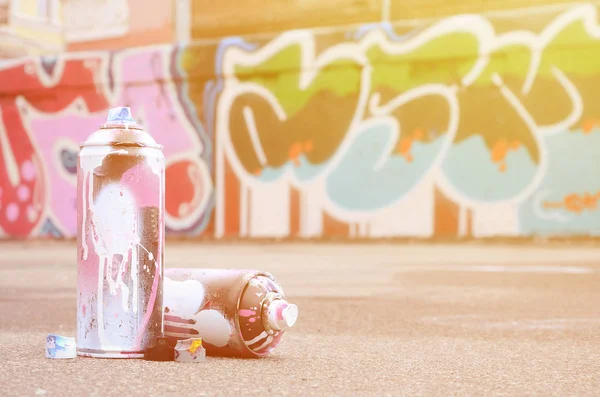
(84, 210)
(213, 327)
(115, 220)
(114, 231)
(244, 209)
(100, 303)
(183, 298)
(90, 203)
(462, 220)
(155, 165)
(134, 278)
(88, 163)
(254, 137)
(150, 254)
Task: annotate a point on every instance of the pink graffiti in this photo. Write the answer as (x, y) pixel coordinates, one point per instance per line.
(140, 80)
(30, 87)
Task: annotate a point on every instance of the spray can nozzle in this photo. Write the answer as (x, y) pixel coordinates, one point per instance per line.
(121, 117)
(278, 314)
(121, 113)
(281, 314)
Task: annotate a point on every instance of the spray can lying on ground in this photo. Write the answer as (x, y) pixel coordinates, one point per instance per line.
(120, 207)
(239, 313)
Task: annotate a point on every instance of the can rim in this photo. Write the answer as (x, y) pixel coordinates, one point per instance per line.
(125, 126)
(239, 300)
(121, 126)
(122, 144)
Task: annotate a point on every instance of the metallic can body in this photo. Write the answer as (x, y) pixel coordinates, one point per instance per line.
(120, 240)
(222, 306)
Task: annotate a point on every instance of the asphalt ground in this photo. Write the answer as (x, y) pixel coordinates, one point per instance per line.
(375, 320)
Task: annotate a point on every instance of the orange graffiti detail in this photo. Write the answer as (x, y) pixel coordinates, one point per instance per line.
(297, 149)
(588, 126)
(418, 134)
(500, 150)
(576, 203)
(405, 145)
(404, 148)
(294, 154)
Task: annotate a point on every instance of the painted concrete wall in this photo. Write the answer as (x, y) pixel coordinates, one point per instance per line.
(469, 126)
(117, 24)
(30, 27)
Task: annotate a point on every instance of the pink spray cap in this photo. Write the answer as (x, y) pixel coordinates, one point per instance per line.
(281, 314)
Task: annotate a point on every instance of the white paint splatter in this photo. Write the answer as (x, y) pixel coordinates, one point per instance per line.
(114, 232)
(115, 220)
(213, 327)
(155, 164)
(89, 159)
(183, 298)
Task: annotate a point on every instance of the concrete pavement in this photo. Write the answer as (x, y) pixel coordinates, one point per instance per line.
(375, 319)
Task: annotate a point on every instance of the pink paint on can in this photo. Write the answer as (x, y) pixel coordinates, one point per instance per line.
(242, 318)
(246, 313)
(120, 207)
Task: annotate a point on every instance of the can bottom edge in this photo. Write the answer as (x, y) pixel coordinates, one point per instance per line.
(109, 354)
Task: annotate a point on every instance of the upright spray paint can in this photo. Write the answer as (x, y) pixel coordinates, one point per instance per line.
(120, 239)
(236, 312)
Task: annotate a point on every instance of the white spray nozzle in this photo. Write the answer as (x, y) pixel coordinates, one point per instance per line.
(121, 113)
(281, 314)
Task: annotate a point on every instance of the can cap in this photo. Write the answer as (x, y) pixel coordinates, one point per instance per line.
(121, 113)
(281, 314)
(121, 117)
(58, 346)
(190, 351)
(121, 129)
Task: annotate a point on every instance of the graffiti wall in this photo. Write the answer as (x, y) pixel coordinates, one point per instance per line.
(464, 127)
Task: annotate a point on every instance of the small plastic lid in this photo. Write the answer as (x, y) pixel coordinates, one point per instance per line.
(121, 129)
(120, 117)
(120, 113)
(58, 346)
(281, 314)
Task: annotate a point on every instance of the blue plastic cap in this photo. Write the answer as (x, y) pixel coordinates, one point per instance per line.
(122, 113)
